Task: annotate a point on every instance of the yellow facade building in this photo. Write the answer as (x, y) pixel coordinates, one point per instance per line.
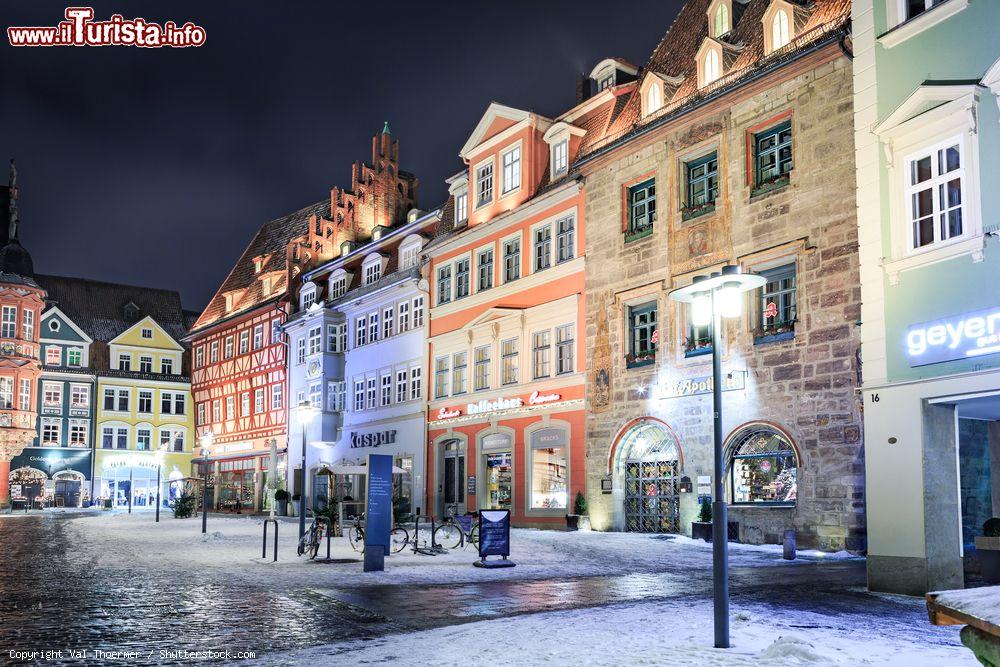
(144, 418)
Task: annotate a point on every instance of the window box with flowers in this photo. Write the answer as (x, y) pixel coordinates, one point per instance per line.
(695, 346)
(696, 211)
(770, 185)
(776, 306)
(643, 336)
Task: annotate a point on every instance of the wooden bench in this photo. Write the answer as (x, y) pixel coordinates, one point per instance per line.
(978, 609)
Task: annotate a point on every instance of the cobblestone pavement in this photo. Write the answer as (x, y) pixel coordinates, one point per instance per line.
(50, 601)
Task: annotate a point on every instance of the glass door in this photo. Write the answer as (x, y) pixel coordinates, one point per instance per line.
(498, 483)
(453, 492)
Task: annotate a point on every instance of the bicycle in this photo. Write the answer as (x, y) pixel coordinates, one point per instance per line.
(398, 537)
(309, 543)
(455, 531)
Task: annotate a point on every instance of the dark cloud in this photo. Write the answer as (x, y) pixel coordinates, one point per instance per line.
(156, 166)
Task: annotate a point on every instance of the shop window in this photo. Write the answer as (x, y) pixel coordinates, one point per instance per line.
(641, 213)
(485, 269)
(499, 483)
(702, 186)
(508, 359)
(763, 468)
(549, 469)
(776, 311)
(772, 157)
(482, 369)
(642, 335)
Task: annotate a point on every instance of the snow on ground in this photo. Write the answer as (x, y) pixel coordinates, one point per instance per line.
(653, 633)
(983, 603)
(234, 543)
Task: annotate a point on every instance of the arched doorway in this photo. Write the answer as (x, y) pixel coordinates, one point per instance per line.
(68, 488)
(647, 473)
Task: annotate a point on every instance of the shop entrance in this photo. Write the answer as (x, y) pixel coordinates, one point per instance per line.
(453, 478)
(236, 486)
(68, 487)
(497, 466)
(648, 475)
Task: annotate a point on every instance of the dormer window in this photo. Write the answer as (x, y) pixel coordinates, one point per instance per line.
(258, 264)
(484, 183)
(409, 252)
(462, 207)
(372, 268)
(720, 22)
(606, 79)
(779, 30)
(265, 287)
(458, 188)
(779, 22)
(338, 283)
(560, 157)
(710, 68)
(654, 99)
(308, 296)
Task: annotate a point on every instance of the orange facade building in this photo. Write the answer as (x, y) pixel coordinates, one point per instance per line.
(506, 414)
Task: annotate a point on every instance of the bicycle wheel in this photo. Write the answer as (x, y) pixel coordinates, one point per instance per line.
(356, 537)
(398, 539)
(474, 535)
(448, 536)
(313, 549)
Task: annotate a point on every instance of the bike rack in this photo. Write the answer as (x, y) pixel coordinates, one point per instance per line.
(329, 530)
(264, 550)
(434, 549)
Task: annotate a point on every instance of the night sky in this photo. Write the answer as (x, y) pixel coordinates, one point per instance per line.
(156, 166)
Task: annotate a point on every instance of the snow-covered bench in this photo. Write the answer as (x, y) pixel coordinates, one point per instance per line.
(978, 609)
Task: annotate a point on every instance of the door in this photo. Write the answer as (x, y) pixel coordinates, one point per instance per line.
(68, 491)
(453, 490)
(498, 480)
(651, 497)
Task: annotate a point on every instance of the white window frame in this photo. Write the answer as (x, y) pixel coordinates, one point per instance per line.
(516, 174)
(462, 206)
(936, 180)
(560, 157)
(52, 394)
(491, 163)
(307, 297)
(901, 28)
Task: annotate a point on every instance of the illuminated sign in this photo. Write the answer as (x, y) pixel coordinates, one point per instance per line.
(484, 406)
(376, 439)
(492, 406)
(702, 385)
(959, 337)
(445, 413)
(538, 399)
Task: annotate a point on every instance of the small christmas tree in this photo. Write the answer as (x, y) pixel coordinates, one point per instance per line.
(706, 511)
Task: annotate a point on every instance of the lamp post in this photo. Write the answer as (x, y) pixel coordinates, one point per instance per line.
(711, 298)
(159, 466)
(206, 446)
(304, 413)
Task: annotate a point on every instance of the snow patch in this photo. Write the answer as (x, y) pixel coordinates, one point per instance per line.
(794, 649)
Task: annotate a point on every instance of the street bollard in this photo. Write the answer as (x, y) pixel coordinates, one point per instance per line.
(263, 553)
(789, 545)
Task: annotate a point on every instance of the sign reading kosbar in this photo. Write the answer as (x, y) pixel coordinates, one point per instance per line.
(958, 337)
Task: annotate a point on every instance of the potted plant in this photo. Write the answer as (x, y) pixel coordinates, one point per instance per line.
(702, 529)
(988, 551)
(579, 508)
(281, 502)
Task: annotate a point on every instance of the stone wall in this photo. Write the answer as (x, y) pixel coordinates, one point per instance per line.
(804, 385)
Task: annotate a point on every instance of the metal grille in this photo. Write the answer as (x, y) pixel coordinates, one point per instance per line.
(651, 497)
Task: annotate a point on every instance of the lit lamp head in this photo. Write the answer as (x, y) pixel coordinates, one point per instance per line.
(724, 288)
(304, 413)
(701, 309)
(206, 443)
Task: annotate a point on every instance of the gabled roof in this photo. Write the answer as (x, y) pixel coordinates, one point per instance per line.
(674, 56)
(494, 112)
(272, 239)
(53, 311)
(98, 308)
(142, 324)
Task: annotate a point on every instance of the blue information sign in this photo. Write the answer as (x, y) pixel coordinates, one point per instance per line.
(378, 509)
(494, 533)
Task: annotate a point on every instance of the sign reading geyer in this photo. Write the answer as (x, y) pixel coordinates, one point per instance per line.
(958, 337)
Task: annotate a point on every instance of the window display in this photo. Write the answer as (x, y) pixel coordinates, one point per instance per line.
(499, 482)
(549, 469)
(763, 469)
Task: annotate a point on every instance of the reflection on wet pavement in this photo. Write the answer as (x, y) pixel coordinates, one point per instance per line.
(50, 600)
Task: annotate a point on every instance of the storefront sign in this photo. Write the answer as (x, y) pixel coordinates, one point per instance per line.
(55, 458)
(448, 413)
(959, 337)
(148, 460)
(378, 511)
(549, 438)
(494, 533)
(702, 385)
(493, 406)
(538, 399)
(376, 439)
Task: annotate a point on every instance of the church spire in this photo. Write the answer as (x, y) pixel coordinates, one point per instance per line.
(12, 202)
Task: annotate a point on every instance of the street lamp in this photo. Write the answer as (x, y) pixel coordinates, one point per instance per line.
(711, 298)
(206, 446)
(304, 413)
(159, 466)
